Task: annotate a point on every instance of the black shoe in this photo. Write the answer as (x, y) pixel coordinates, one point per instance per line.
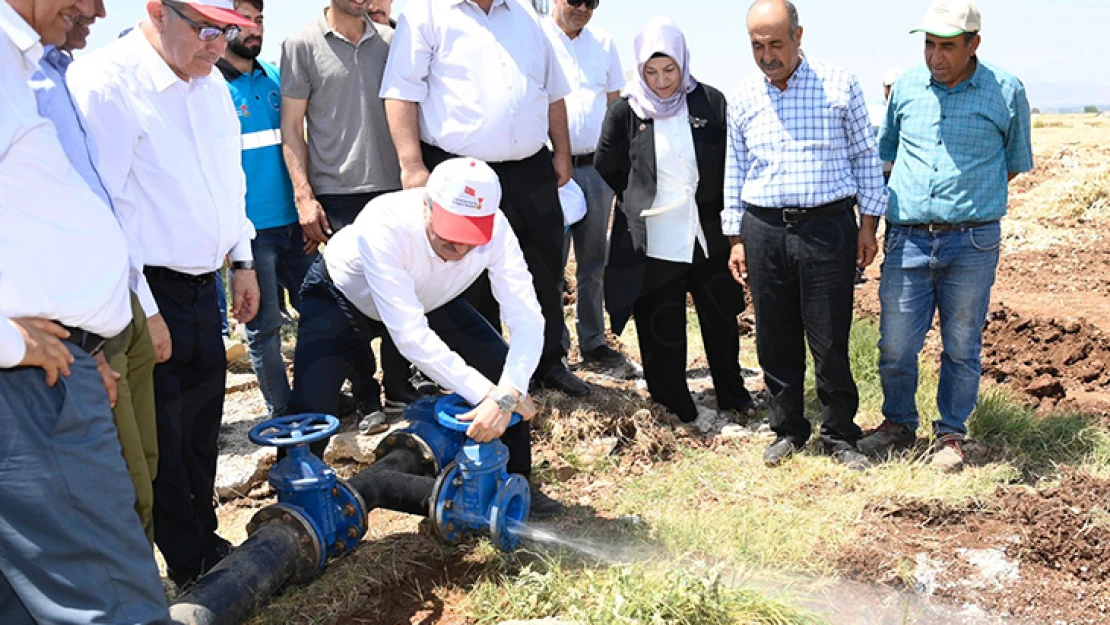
(348, 406)
(779, 451)
(216, 552)
(543, 507)
(604, 356)
(397, 399)
(852, 459)
(423, 384)
(563, 380)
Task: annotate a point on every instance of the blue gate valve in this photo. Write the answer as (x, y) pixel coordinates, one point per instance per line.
(331, 512)
(436, 445)
(476, 493)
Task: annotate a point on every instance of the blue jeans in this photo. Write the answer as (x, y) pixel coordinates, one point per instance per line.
(591, 251)
(951, 274)
(72, 549)
(279, 261)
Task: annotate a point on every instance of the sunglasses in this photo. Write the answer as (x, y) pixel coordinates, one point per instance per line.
(590, 4)
(206, 33)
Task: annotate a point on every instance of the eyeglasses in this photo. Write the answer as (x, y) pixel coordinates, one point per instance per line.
(590, 4)
(207, 33)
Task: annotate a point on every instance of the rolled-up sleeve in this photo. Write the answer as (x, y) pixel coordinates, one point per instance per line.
(394, 294)
(12, 346)
(863, 154)
(1019, 147)
(520, 310)
(410, 56)
(736, 164)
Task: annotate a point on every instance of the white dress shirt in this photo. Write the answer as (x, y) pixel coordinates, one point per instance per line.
(386, 266)
(673, 224)
(62, 254)
(484, 82)
(592, 66)
(169, 155)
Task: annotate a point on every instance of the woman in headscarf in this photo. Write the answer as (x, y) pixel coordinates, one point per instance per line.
(662, 149)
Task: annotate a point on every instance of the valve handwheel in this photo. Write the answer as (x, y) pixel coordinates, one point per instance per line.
(450, 407)
(293, 430)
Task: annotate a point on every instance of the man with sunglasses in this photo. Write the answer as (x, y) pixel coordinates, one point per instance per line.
(169, 148)
(479, 79)
(401, 269)
(591, 63)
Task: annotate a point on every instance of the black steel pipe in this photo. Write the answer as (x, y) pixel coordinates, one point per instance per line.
(243, 581)
(393, 483)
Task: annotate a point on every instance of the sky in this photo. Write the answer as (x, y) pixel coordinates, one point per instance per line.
(1038, 41)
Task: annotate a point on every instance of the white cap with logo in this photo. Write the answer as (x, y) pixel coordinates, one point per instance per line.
(951, 18)
(465, 195)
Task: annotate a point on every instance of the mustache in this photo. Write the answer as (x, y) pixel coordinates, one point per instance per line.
(771, 65)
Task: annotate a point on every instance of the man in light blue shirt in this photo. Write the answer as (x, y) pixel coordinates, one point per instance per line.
(131, 354)
(957, 130)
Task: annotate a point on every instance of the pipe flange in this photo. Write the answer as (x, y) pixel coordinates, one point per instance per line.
(355, 525)
(446, 488)
(310, 547)
(509, 510)
(429, 464)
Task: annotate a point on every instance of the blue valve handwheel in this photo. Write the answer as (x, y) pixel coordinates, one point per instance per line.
(453, 405)
(294, 430)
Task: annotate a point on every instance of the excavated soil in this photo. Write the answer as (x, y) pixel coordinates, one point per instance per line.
(1038, 556)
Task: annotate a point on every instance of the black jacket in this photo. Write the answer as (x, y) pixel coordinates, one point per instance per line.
(625, 158)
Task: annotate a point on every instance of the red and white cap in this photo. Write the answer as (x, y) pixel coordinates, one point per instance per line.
(220, 12)
(465, 195)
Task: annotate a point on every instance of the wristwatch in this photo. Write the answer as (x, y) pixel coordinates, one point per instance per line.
(242, 264)
(505, 401)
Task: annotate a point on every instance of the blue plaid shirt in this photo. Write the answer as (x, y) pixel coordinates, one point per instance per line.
(954, 148)
(800, 148)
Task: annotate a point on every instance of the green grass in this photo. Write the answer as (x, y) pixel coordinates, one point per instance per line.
(627, 596)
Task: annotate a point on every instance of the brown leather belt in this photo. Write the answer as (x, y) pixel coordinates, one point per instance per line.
(941, 227)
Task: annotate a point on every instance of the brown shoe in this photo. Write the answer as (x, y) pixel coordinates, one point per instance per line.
(889, 437)
(948, 453)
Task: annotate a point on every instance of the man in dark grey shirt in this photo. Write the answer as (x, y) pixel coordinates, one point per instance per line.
(331, 72)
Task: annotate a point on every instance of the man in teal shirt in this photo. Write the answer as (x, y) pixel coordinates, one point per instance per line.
(957, 130)
(279, 250)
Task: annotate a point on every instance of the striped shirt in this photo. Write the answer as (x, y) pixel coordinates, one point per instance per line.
(809, 145)
(953, 148)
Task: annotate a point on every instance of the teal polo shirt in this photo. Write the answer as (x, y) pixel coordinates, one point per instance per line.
(257, 98)
(953, 148)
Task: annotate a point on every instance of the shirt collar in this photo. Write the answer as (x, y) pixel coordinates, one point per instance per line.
(23, 36)
(57, 59)
(161, 75)
(976, 79)
(232, 74)
(326, 28)
(496, 3)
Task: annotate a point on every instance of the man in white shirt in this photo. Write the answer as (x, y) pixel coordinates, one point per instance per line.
(591, 64)
(401, 269)
(477, 78)
(170, 156)
(72, 549)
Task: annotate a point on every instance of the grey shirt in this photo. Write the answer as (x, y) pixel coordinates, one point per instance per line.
(350, 149)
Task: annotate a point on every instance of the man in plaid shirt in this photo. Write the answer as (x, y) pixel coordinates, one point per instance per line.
(960, 130)
(801, 155)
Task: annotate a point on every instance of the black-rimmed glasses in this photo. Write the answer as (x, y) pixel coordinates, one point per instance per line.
(210, 33)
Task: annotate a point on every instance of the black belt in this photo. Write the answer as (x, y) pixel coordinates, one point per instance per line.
(941, 227)
(163, 273)
(797, 215)
(582, 160)
(91, 343)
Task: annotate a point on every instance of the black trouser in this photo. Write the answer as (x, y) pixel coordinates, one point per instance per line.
(530, 201)
(801, 277)
(660, 316)
(342, 211)
(333, 339)
(189, 402)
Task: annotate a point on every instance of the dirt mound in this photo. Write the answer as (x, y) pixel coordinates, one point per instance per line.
(1048, 359)
(1036, 555)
